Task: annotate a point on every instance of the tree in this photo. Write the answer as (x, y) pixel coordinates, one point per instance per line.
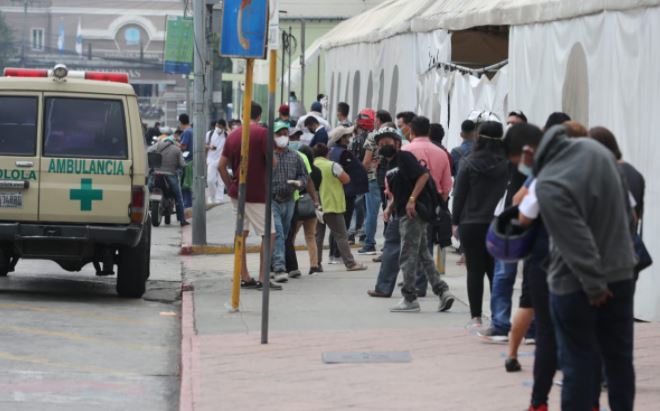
(6, 42)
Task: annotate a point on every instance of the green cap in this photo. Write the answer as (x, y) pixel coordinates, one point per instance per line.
(280, 125)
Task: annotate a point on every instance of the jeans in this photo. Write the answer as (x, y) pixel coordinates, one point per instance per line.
(415, 256)
(389, 267)
(545, 357)
(337, 225)
(358, 215)
(501, 294)
(587, 334)
(175, 186)
(282, 217)
(348, 215)
(478, 263)
(372, 201)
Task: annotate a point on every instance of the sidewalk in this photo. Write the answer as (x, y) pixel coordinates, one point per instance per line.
(226, 368)
(220, 229)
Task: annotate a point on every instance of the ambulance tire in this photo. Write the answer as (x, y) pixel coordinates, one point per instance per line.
(133, 267)
(5, 263)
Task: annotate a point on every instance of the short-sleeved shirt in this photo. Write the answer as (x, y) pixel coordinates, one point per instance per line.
(370, 145)
(256, 176)
(187, 140)
(408, 170)
(529, 206)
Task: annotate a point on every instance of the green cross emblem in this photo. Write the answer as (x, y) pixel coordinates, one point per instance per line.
(86, 194)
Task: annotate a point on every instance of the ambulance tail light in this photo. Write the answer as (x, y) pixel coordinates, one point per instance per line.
(138, 204)
(101, 76)
(20, 72)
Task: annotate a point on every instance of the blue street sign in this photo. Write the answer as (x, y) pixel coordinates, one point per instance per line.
(244, 28)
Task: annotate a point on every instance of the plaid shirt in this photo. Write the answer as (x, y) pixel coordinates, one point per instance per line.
(289, 167)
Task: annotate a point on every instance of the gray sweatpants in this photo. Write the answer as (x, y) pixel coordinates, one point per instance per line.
(338, 228)
(415, 256)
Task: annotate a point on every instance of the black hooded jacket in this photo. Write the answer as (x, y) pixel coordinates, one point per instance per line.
(480, 184)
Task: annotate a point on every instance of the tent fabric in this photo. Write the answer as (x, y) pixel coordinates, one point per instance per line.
(391, 66)
(622, 83)
(403, 16)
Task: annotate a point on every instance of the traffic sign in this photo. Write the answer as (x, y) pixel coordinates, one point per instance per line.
(244, 29)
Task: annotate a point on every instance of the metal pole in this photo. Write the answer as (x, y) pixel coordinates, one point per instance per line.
(24, 42)
(199, 128)
(209, 67)
(288, 92)
(239, 236)
(318, 75)
(272, 84)
(282, 74)
(188, 101)
(302, 63)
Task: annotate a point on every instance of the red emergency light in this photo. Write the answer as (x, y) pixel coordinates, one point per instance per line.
(60, 73)
(19, 72)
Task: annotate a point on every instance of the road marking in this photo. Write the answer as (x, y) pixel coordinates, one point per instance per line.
(69, 366)
(78, 338)
(72, 312)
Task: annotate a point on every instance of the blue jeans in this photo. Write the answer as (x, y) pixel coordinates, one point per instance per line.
(389, 267)
(372, 201)
(501, 294)
(282, 217)
(175, 186)
(587, 334)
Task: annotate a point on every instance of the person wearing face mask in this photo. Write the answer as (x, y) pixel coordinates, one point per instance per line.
(294, 138)
(289, 175)
(403, 121)
(215, 142)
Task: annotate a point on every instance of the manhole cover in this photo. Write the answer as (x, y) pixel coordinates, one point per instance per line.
(366, 357)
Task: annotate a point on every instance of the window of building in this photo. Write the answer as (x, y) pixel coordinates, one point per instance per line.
(37, 39)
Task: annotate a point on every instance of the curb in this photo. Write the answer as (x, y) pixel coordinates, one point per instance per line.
(188, 351)
(224, 249)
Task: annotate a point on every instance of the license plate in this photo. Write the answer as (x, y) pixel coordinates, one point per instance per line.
(155, 197)
(11, 200)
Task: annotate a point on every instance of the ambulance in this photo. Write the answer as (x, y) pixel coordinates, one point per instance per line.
(73, 174)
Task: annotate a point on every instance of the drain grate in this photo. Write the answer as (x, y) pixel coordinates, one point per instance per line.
(366, 357)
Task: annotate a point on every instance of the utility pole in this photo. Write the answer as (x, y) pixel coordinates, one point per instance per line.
(25, 39)
(199, 128)
(302, 63)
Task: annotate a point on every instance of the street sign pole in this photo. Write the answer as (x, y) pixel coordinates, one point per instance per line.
(199, 128)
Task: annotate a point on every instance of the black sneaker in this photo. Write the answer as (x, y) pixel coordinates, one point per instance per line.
(367, 250)
(493, 335)
(512, 365)
(273, 286)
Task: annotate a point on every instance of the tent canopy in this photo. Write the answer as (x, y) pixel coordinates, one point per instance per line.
(403, 16)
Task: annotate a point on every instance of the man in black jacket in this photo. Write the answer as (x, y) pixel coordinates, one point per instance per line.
(591, 269)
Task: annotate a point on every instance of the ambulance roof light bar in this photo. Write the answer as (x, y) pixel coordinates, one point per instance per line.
(61, 73)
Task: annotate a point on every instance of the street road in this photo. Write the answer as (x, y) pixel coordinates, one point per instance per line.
(67, 342)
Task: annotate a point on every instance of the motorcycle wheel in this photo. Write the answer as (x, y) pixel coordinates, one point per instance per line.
(155, 214)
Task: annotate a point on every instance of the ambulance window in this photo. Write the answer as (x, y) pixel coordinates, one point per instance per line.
(18, 125)
(89, 128)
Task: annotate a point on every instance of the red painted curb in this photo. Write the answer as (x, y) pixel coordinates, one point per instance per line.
(186, 396)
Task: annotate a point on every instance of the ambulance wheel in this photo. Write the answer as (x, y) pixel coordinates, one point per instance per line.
(5, 263)
(133, 267)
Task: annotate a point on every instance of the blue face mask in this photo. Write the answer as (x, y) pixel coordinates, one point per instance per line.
(294, 145)
(523, 168)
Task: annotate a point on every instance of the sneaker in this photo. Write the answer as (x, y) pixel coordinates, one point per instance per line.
(367, 250)
(273, 286)
(446, 301)
(530, 341)
(280, 277)
(378, 294)
(294, 274)
(357, 267)
(475, 322)
(334, 260)
(490, 334)
(406, 306)
(184, 223)
(512, 365)
(313, 270)
(378, 259)
(542, 407)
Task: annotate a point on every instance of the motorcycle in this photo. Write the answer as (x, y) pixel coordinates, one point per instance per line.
(161, 200)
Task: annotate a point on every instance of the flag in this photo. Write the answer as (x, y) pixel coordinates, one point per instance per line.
(79, 40)
(60, 38)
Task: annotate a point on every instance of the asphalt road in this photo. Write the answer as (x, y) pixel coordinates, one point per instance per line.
(67, 342)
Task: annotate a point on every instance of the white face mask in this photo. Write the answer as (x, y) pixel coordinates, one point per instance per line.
(282, 142)
(218, 130)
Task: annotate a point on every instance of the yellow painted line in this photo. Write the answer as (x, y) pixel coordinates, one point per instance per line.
(64, 365)
(78, 338)
(71, 312)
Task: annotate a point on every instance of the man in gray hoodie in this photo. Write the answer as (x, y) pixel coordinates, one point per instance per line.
(584, 206)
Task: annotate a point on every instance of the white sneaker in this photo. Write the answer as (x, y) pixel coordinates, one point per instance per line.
(281, 277)
(405, 306)
(474, 323)
(334, 260)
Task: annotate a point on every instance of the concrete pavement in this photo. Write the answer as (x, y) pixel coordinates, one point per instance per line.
(226, 367)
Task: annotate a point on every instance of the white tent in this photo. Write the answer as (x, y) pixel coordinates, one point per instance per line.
(594, 59)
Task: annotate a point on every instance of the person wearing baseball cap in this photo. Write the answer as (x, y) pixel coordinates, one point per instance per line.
(285, 115)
